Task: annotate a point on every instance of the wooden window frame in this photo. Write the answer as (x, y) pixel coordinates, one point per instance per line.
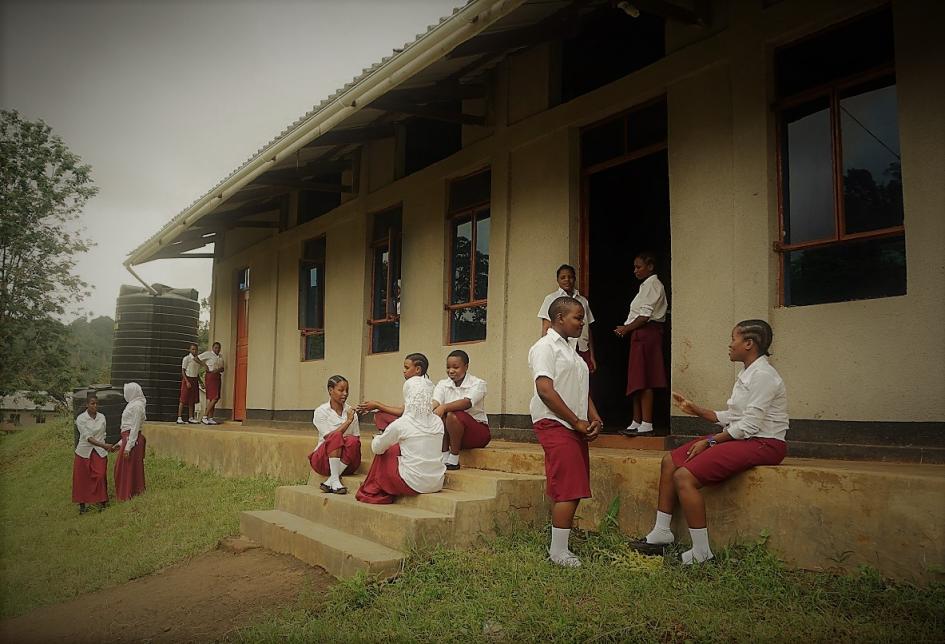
(470, 213)
(388, 243)
(305, 332)
(831, 91)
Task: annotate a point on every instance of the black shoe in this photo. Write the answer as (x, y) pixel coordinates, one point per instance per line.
(452, 467)
(82, 508)
(652, 549)
(325, 487)
(102, 506)
(340, 490)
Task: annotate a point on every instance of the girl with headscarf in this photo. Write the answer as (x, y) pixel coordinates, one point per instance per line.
(408, 459)
(129, 467)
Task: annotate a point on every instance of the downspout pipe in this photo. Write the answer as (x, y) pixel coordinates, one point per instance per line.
(472, 19)
(138, 277)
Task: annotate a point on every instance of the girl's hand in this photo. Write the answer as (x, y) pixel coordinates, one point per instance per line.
(126, 455)
(593, 430)
(351, 413)
(684, 403)
(366, 406)
(696, 449)
(582, 427)
(440, 411)
(621, 330)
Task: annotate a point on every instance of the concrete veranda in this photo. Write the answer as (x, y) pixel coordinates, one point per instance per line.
(818, 514)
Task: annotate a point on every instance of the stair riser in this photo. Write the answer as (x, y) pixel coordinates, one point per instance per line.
(394, 531)
(334, 561)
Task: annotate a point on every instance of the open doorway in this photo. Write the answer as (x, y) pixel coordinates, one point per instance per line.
(626, 211)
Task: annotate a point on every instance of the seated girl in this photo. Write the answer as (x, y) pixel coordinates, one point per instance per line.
(407, 457)
(459, 401)
(339, 445)
(754, 425)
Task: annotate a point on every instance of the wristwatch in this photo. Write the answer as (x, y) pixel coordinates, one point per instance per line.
(713, 442)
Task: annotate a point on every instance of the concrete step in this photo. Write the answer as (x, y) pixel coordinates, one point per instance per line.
(339, 553)
(491, 482)
(397, 525)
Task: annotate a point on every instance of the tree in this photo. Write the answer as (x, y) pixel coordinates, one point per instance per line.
(43, 189)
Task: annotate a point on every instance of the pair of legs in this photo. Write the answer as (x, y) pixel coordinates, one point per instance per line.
(462, 431)
(190, 407)
(453, 436)
(679, 483)
(642, 406)
(383, 483)
(336, 456)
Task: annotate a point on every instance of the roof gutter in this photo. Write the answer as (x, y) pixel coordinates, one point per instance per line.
(469, 21)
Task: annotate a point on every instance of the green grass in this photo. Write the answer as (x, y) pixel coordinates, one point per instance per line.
(50, 554)
(509, 592)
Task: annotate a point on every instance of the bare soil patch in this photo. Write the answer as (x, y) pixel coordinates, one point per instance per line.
(199, 600)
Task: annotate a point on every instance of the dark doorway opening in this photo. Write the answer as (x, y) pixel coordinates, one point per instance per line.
(626, 211)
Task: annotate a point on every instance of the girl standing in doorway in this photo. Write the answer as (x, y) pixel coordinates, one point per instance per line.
(646, 370)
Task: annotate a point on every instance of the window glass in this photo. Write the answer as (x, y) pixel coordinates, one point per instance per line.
(482, 256)
(462, 240)
(808, 177)
(468, 324)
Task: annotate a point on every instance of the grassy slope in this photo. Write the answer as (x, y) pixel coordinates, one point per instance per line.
(48, 553)
(509, 592)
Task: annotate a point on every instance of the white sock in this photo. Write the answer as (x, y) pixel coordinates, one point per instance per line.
(633, 425)
(661, 532)
(645, 427)
(444, 455)
(700, 546)
(559, 541)
(337, 466)
(451, 459)
(180, 419)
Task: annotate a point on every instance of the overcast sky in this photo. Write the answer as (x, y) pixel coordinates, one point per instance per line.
(164, 98)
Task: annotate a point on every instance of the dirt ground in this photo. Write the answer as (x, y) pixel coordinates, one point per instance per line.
(199, 600)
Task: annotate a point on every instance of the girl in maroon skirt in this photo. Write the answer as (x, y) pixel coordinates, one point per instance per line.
(129, 467)
(90, 465)
(459, 401)
(645, 370)
(407, 454)
(339, 438)
(564, 419)
(754, 424)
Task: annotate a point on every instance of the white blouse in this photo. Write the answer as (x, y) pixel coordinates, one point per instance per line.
(582, 341)
(471, 388)
(214, 361)
(326, 421)
(190, 366)
(554, 357)
(758, 406)
(90, 428)
(419, 432)
(650, 301)
(131, 421)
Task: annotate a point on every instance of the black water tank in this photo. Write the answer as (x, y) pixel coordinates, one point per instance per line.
(152, 334)
(111, 402)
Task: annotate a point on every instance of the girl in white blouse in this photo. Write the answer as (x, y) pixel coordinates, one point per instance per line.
(754, 424)
(338, 451)
(646, 369)
(90, 465)
(407, 457)
(129, 466)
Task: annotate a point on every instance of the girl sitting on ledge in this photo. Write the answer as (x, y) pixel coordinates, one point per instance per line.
(339, 444)
(407, 457)
(754, 425)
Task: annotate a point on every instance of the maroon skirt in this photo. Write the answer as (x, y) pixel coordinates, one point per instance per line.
(586, 356)
(212, 382)
(129, 472)
(350, 453)
(645, 369)
(383, 483)
(382, 419)
(719, 463)
(90, 479)
(189, 395)
(567, 462)
(476, 433)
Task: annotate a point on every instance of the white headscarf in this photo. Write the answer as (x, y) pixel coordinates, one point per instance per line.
(418, 405)
(134, 396)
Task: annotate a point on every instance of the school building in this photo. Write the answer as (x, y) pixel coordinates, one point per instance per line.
(783, 158)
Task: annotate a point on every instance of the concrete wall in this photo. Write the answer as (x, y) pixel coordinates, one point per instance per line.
(879, 360)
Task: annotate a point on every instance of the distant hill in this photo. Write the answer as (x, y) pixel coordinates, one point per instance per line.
(91, 349)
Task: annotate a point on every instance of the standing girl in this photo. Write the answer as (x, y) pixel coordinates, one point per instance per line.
(754, 426)
(646, 370)
(129, 467)
(565, 420)
(90, 465)
(567, 278)
(213, 381)
(189, 386)
(339, 444)
(407, 457)
(460, 401)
